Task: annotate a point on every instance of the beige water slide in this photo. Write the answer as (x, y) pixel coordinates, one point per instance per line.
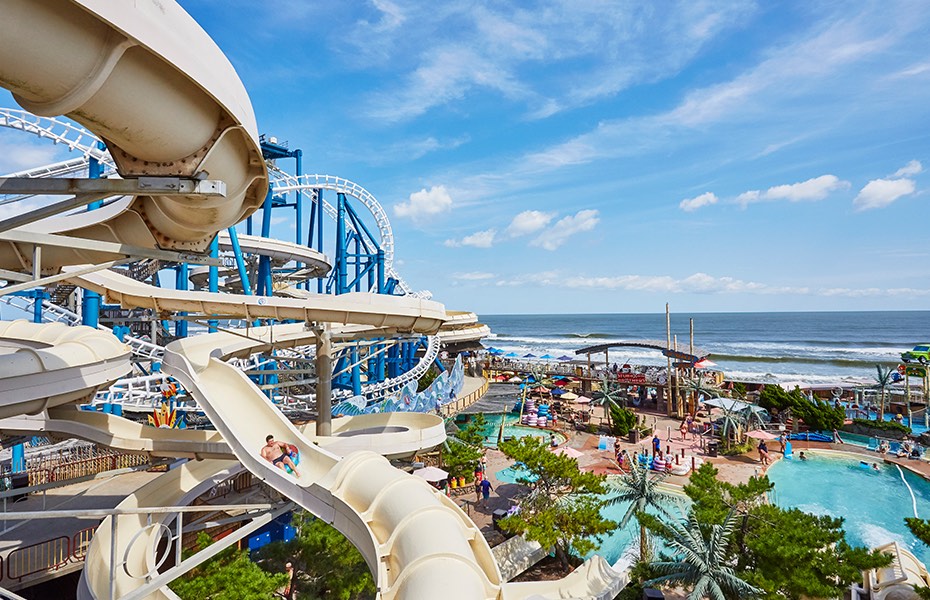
(147, 79)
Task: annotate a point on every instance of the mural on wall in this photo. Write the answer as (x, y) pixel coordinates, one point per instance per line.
(444, 389)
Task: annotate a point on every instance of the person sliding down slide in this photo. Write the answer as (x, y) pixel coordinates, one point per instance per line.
(278, 454)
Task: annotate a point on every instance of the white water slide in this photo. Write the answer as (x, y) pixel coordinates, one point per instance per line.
(147, 79)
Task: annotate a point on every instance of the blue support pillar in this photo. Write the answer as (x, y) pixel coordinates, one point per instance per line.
(393, 360)
(37, 306)
(379, 365)
(181, 283)
(214, 282)
(240, 262)
(90, 307)
(380, 271)
(319, 233)
(264, 287)
(356, 372)
(341, 250)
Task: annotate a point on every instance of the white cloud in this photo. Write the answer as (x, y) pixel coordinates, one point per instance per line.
(473, 276)
(698, 283)
(423, 205)
(912, 168)
(479, 239)
(692, 204)
(814, 189)
(566, 227)
(879, 193)
(527, 222)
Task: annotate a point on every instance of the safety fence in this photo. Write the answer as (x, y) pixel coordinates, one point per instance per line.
(70, 463)
(48, 555)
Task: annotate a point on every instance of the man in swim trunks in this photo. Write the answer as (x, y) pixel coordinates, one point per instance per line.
(278, 454)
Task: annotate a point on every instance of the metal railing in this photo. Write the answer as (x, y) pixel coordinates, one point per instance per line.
(447, 410)
(49, 555)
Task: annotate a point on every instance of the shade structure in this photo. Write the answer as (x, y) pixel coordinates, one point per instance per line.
(540, 389)
(704, 363)
(561, 382)
(582, 400)
(567, 451)
(569, 396)
(558, 392)
(515, 380)
(529, 355)
(431, 473)
(511, 355)
(564, 358)
(546, 357)
(761, 434)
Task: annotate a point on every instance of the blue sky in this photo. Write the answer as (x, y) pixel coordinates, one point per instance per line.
(611, 156)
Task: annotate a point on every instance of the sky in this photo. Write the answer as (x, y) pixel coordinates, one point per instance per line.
(572, 157)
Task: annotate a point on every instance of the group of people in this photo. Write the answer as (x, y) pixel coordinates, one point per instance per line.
(907, 449)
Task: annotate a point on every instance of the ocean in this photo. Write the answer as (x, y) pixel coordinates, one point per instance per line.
(812, 347)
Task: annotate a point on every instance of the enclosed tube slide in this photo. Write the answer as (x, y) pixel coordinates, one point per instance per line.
(151, 83)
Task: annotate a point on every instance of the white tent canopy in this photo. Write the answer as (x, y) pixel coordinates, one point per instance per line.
(733, 405)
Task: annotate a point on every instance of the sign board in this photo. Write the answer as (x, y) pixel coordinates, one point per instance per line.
(675, 354)
(912, 370)
(631, 378)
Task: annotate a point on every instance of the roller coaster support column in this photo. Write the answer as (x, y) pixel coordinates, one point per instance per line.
(90, 306)
(240, 263)
(214, 282)
(341, 250)
(393, 360)
(181, 281)
(263, 285)
(380, 287)
(324, 379)
(356, 372)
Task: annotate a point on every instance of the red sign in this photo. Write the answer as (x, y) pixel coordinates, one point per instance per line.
(631, 378)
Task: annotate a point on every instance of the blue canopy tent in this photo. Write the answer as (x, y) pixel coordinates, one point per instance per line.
(546, 357)
(511, 355)
(530, 355)
(564, 358)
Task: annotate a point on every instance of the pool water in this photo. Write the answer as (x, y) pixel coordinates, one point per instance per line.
(512, 428)
(873, 503)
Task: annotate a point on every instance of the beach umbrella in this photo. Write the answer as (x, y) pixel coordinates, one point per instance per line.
(515, 380)
(558, 392)
(564, 358)
(546, 357)
(569, 396)
(511, 355)
(431, 473)
(567, 451)
(704, 363)
(561, 382)
(540, 389)
(582, 400)
(530, 355)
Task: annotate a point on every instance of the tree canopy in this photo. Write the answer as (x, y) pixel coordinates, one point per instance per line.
(326, 564)
(816, 414)
(464, 450)
(231, 575)
(562, 509)
(785, 553)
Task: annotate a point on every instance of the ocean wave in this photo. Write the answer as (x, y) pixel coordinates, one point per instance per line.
(804, 360)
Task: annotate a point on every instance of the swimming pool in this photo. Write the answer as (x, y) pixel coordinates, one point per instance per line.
(512, 428)
(873, 503)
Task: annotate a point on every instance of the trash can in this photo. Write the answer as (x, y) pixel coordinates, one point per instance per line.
(496, 516)
(634, 436)
(652, 593)
(712, 448)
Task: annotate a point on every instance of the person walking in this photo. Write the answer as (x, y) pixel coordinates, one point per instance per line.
(486, 489)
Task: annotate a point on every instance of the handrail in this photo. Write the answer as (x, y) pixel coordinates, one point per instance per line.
(447, 410)
(38, 557)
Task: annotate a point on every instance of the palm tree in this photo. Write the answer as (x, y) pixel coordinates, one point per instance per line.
(609, 398)
(642, 491)
(882, 383)
(698, 386)
(701, 561)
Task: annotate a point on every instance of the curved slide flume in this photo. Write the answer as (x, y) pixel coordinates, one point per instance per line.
(139, 534)
(95, 61)
(415, 540)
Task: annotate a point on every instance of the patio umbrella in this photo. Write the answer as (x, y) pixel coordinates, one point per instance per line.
(431, 473)
(540, 389)
(546, 357)
(569, 396)
(564, 358)
(515, 380)
(761, 434)
(567, 451)
(582, 400)
(530, 355)
(561, 382)
(558, 392)
(704, 363)
(511, 355)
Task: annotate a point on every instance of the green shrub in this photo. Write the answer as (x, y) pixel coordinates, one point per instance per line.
(883, 425)
(623, 419)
